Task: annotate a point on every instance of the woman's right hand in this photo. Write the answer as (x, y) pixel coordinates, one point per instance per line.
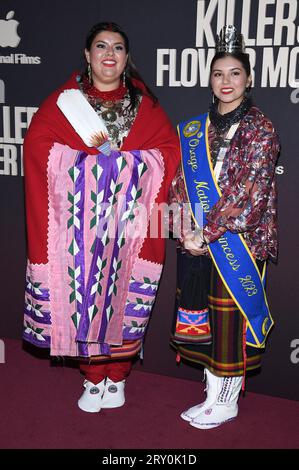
(194, 246)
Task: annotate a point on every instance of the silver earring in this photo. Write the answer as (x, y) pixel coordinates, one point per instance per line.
(124, 77)
(89, 73)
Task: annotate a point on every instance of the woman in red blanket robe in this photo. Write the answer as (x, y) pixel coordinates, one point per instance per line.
(89, 294)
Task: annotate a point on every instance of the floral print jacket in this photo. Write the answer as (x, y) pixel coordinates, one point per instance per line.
(248, 204)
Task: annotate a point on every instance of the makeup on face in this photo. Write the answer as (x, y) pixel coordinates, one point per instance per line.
(107, 57)
(229, 81)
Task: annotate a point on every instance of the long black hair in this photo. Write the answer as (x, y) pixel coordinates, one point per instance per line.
(131, 71)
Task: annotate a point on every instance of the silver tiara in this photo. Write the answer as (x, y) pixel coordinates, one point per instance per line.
(228, 40)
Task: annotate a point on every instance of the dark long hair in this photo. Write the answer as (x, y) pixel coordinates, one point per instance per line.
(131, 71)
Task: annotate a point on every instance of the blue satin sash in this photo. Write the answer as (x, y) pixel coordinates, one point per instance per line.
(230, 254)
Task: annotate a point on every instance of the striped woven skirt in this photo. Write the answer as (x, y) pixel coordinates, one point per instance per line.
(227, 353)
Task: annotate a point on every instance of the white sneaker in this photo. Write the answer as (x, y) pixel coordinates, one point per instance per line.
(91, 399)
(215, 416)
(114, 394)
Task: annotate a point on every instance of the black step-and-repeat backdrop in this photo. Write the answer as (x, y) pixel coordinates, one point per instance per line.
(172, 43)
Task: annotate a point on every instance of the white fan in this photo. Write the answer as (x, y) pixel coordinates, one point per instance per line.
(81, 115)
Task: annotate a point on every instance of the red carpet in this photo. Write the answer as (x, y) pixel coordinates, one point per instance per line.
(38, 410)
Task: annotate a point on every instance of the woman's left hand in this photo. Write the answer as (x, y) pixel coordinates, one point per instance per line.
(199, 251)
(192, 245)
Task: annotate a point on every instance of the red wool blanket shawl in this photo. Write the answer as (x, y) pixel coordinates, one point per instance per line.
(50, 317)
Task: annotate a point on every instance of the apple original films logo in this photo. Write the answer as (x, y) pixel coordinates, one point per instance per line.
(8, 31)
(9, 38)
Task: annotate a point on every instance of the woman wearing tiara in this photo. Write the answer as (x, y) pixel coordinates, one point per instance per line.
(228, 169)
(93, 270)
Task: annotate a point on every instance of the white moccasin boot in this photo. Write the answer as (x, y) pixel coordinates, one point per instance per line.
(91, 399)
(213, 387)
(225, 407)
(114, 394)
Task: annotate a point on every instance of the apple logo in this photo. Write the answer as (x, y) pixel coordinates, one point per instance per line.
(8, 31)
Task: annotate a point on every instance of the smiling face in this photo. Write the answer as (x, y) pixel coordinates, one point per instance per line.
(229, 81)
(107, 57)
